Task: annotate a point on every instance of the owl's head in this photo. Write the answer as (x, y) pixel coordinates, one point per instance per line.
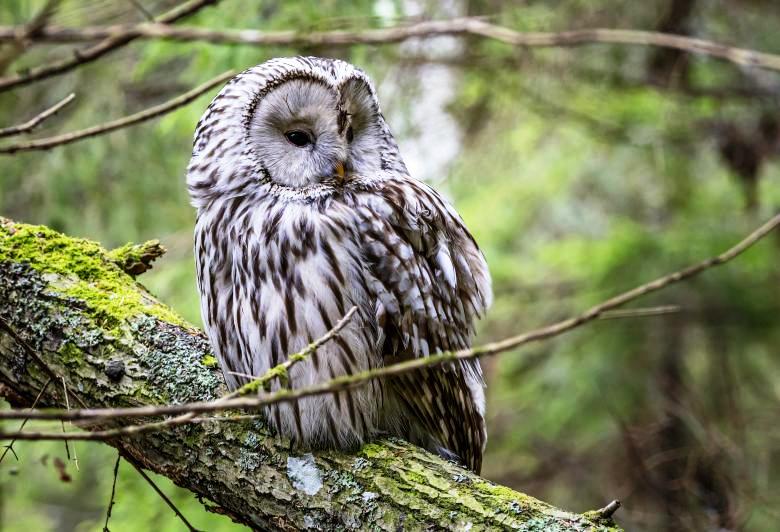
(301, 123)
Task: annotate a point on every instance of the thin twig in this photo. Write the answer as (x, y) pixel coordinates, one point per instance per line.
(10, 446)
(65, 439)
(113, 492)
(92, 53)
(231, 418)
(75, 458)
(164, 497)
(640, 312)
(127, 121)
(128, 431)
(35, 121)
(458, 26)
(346, 382)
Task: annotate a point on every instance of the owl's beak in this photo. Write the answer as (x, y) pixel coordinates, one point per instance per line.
(340, 172)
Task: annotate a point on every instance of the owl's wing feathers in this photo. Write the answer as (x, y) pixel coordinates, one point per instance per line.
(430, 282)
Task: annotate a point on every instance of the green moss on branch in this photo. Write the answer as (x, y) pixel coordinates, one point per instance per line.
(83, 270)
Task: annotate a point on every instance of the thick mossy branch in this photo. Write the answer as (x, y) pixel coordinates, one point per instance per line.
(116, 345)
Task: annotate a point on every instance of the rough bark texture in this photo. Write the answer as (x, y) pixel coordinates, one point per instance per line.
(71, 302)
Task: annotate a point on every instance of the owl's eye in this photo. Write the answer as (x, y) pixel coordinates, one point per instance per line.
(298, 137)
(350, 134)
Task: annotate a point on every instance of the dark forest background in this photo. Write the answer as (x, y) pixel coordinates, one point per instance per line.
(581, 172)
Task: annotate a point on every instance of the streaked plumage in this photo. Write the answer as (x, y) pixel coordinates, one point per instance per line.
(289, 238)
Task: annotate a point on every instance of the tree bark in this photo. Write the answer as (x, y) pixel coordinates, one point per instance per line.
(69, 302)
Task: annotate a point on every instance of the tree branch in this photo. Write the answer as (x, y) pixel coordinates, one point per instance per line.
(81, 57)
(127, 121)
(70, 303)
(460, 26)
(35, 121)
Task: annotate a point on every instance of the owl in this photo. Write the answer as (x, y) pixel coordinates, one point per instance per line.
(306, 209)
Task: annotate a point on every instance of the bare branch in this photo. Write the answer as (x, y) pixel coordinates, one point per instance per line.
(347, 382)
(460, 26)
(110, 43)
(35, 121)
(127, 121)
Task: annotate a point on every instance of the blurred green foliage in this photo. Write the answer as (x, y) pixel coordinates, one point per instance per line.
(581, 172)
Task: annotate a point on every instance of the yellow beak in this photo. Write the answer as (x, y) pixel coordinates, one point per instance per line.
(340, 172)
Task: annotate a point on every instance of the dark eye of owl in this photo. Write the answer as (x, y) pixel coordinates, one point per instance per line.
(298, 137)
(350, 134)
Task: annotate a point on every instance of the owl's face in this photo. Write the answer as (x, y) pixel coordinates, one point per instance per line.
(308, 131)
(297, 127)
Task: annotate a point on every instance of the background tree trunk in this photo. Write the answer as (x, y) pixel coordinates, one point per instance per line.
(114, 345)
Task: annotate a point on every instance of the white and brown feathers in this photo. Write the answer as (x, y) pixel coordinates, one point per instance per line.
(284, 248)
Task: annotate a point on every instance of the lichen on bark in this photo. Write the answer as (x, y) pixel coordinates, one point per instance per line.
(86, 317)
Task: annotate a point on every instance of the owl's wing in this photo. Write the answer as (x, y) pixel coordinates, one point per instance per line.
(430, 282)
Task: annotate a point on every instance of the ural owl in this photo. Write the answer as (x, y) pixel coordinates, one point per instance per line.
(305, 209)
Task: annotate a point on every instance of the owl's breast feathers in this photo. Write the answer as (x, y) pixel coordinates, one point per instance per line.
(274, 275)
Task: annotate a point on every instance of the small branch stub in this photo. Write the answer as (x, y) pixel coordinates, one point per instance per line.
(609, 510)
(135, 259)
(604, 515)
